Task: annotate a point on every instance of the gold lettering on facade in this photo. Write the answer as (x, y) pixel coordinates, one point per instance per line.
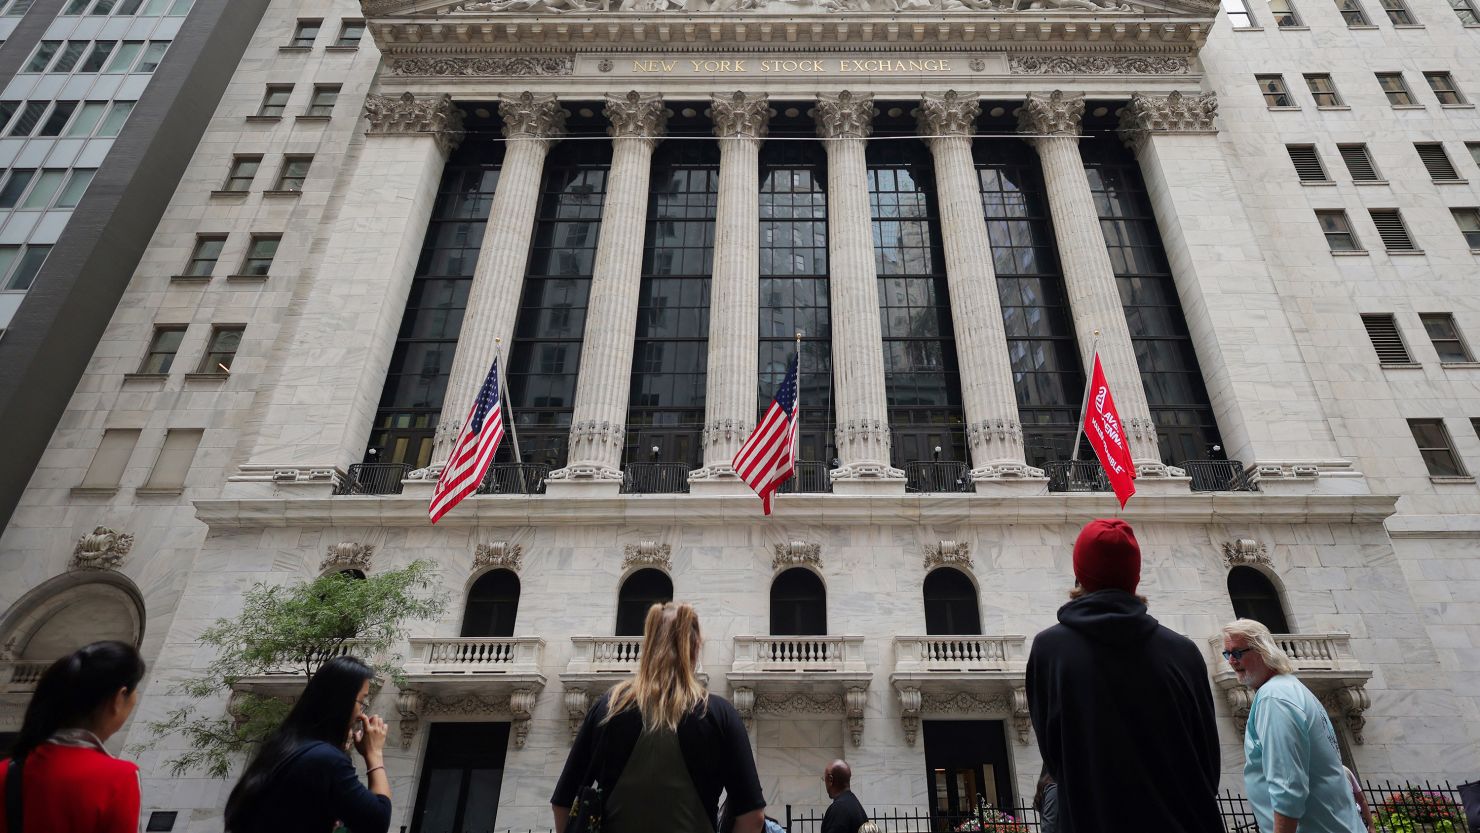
(653, 66)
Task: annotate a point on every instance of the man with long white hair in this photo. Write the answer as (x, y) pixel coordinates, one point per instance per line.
(1292, 763)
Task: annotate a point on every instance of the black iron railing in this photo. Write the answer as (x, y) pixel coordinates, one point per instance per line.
(373, 479)
(937, 476)
(811, 477)
(1219, 476)
(514, 479)
(655, 479)
(1076, 476)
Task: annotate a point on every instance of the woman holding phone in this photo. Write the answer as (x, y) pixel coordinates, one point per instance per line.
(301, 780)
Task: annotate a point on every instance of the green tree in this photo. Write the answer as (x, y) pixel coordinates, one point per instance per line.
(291, 628)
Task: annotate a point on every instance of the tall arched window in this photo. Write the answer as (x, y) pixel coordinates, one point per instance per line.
(798, 604)
(950, 604)
(493, 603)
(1255, 597)
(640, 591)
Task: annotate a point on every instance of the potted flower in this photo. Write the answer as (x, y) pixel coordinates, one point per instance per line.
(1418, 811)
(988, 819)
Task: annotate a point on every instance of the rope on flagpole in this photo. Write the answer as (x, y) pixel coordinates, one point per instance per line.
(1089, 376)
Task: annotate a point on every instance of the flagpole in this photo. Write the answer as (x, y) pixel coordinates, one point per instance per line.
(1089, 376)
(503, 393)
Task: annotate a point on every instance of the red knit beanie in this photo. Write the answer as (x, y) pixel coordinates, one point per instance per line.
(1106, 556)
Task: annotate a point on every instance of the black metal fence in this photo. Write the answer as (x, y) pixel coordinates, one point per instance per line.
(1407, 807)
(811, 477)
(514, 479)
(373, 479)
(1219, 476)
(655, 479)
(1076, 476)
(937, 476)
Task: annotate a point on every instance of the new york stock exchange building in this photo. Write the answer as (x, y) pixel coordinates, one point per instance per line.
(948, 207)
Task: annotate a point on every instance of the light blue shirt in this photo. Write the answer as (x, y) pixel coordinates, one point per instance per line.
(1292, 763)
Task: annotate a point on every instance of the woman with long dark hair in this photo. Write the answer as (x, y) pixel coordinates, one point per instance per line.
(301, 780)
(59, 776)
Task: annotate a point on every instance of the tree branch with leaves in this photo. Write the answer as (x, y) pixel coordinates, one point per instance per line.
(286, 632)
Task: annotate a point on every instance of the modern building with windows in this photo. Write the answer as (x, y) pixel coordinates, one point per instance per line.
(1264, 220)
(100, 112)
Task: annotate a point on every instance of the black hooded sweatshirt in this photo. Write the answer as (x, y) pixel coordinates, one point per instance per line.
(1124, 717)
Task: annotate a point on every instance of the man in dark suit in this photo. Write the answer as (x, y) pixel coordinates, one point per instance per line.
(845, 814)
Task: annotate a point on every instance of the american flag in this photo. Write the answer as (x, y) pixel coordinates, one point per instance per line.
(476, 444)
(769, 457)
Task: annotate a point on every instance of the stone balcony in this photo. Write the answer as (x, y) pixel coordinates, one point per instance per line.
(800, 674)
(1323, 661)
(472, 675)
(20, 676)
(954, 675)
(288, 678)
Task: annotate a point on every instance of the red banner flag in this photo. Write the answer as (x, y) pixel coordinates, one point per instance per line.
(1107, 437)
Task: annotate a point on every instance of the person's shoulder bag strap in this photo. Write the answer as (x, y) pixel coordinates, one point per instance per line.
(13, 816)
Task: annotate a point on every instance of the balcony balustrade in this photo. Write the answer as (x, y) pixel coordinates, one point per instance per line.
(472, 675)
(1219, 476)
(514, 479)
(951, 674)
(19, 676)
(373, 479)
(972, 655)
(475, 655)
(800, 674)
(936, 476)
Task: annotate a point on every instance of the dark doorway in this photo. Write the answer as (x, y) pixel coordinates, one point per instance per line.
(798, 604)
(640, 591)
(493, 603)
(460, 778)
(966, 762)
(950, 604)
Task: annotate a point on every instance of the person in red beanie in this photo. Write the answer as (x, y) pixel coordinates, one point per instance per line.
(1122, 706)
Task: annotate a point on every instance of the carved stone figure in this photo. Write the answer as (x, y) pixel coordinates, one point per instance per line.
(498, 554)
(102, 549)
(648, 554)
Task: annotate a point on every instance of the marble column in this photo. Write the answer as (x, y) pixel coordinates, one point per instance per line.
(1239, 328)
(341, 330)
(1050, 123)
(598, 424)
(992, 428)
(844, 121)
(734, 292)
(532, 123)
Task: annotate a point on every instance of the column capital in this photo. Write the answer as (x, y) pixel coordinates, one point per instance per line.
(530, 115)
(636, 116)
(847, 115)
(1171, 113)
(1054, 114)
(408, 115)
(740, 115)
(952, 114)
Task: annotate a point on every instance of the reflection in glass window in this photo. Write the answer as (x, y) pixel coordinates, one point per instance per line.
(30, 264)
(76, 187)
(60, 115)
(45, 51)
(116, 117)
(87, 118)
(28, 119)
(124, 57)
(152, 56)
(99, 56)
(45, 188)
(71, 54)
(10, 194)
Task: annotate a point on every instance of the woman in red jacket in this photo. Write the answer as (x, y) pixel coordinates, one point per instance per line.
(59, 778)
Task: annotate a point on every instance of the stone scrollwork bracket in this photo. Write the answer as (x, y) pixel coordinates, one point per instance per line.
(854, 702)
(909, 713)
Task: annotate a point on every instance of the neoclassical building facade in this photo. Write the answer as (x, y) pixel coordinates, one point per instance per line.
(947, 208)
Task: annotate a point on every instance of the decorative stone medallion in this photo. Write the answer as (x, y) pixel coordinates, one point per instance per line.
(498, 554)
(1246, 552)
(948, 554)
(794, 553)
(102, 549)
(348, 555)
(648, 554)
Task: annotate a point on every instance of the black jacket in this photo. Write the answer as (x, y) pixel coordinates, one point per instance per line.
(1124, 717)
(316, 787)
(844, 815)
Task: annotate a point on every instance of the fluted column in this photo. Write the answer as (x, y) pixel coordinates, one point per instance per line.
(1239, 328)
(532, 123)
(1051, 124)
(990, 401)
(844, 120)
(734, 300)
(598, 424)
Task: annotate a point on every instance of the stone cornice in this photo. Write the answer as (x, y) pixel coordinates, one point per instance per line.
(951, 114)
(409, 510)
(408, 115)
(635, 116)
(1051, 114)
(1172, 113)
(846, 115)
(740, 115)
